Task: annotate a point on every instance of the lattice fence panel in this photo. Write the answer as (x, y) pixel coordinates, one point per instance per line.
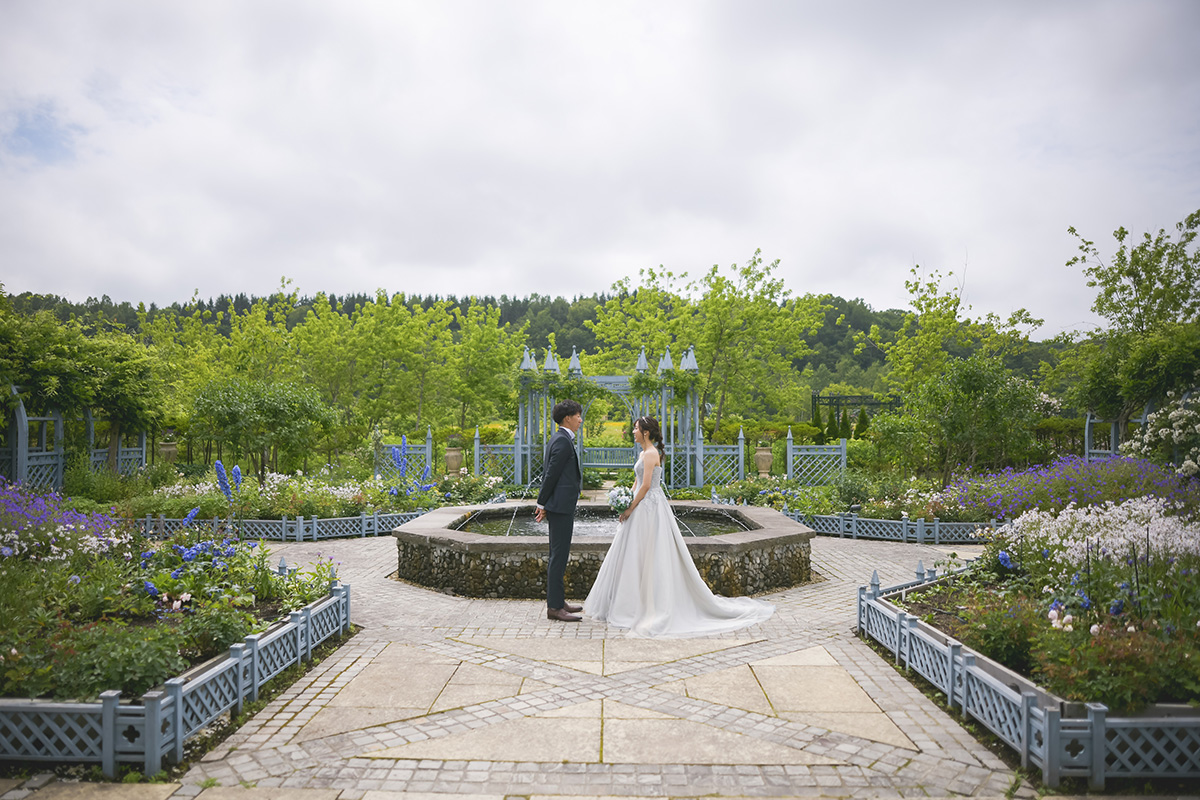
(43, 470)
(53, 733)
(326, 620)
(889, 529)
(821, 523)
(499, 460)
(961, 532)
(815, 468)
(881, 625)
(272, 529)
(1164, 747)
(930, 659)
(277, 652)
(721, 464)
(336, 528)
(209, 696)
(997, 708)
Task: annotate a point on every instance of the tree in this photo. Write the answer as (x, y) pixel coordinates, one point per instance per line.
(977, 415)
(126, 388)
(862, 424)
(483, 363)
(749, 333)
(1154, 283)
(819, 436)
(1150, 294)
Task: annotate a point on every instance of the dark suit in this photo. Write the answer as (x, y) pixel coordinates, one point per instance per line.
(561, 481)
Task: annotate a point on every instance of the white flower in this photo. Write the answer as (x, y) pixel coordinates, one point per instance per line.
(1068, 619)
(1068, 628)
(1131, 629)
(1053, 615)
(1095, 629)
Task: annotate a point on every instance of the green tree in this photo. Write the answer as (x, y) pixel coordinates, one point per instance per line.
(1153, 283)
(978, 415)
(125, 387)
(862, 424)
(819, 424)
(749, 333)
(483, 363)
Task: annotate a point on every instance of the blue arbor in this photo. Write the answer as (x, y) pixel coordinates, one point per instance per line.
(690, 462)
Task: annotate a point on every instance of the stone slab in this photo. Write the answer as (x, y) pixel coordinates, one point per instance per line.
(394, 685)
(813, 689)
(331, 721)
(539, 739)
(614, 709)
(736, 687)
(810, 657)
(552, 650)
(458, 695)
(661, 651)
(877, 726)
(8, 783)
(679, 741)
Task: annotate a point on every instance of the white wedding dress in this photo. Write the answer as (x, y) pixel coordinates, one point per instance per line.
(649, 584)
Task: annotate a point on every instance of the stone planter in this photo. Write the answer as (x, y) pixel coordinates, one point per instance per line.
(454, 461)
(762, 461)
(168, 451)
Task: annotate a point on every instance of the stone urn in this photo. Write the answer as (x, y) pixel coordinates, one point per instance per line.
(168, 451)
(762, 461)
(454, 461)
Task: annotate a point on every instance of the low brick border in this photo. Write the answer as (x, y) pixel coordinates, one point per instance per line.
(775, 554)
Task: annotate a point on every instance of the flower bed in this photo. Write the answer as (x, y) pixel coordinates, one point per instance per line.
(91, 605)
(93, 610)
(1061, 739)
(1098, 605)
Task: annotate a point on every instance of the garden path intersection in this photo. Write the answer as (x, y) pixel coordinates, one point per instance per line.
(451, 696)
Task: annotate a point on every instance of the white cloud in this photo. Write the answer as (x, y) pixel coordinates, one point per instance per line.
(474, 147)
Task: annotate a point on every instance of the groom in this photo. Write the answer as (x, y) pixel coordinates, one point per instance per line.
(561, 483)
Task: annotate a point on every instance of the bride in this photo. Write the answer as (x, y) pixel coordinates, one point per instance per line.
(648, 582)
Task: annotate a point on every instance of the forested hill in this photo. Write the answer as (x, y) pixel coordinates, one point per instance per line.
(834, 359)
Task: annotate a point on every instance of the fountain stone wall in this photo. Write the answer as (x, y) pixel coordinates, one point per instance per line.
(774, 554)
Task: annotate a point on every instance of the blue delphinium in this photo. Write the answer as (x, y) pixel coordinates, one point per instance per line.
(223, 481)
(237, 477)
(1005, 561)
(191, 517)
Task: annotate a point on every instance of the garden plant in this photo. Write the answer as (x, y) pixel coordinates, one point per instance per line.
(90, 605)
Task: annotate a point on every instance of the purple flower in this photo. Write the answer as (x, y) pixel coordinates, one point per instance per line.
(191, 517)
(73, 580)
(237, 477)
(1005, 561)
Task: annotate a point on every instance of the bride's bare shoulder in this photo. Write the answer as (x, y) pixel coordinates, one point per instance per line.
(651, 457)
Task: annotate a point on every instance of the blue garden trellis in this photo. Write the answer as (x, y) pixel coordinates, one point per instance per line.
(690, 462)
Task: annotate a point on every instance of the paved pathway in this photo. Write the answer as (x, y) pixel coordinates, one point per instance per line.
(446, 696)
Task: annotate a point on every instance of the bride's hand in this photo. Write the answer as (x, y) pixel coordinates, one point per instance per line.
(625, 514)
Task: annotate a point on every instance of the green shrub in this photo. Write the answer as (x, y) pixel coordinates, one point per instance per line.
(213, 628)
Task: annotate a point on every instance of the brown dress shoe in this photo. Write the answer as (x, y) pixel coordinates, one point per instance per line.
(570, 609)
(561, 615)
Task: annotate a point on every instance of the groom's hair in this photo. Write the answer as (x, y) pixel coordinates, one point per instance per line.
(563, 409)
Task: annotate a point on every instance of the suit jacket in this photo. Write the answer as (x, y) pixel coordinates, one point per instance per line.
(562, 478)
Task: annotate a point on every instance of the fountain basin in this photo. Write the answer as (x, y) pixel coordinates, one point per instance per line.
(501, 520)
(773, 554)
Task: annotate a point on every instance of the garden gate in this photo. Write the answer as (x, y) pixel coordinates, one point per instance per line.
(37, 464)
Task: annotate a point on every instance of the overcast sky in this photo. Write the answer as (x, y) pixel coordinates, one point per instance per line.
(148, 150)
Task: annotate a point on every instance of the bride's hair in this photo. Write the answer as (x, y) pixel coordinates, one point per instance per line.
(649, 426)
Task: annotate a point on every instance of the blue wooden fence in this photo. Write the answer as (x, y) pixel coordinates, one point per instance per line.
(1028, 719)
(896, 530)
(154, 730)
(287, 529)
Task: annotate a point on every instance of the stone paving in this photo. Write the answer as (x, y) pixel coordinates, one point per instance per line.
(447, 696)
